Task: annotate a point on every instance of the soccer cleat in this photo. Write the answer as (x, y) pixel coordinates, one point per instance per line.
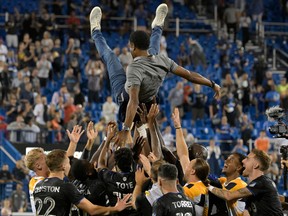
(161, 13)
(95, 18)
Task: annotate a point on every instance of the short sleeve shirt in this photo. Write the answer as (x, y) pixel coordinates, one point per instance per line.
(53, 196)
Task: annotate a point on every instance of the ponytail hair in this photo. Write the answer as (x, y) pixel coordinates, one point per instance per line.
(202, 170)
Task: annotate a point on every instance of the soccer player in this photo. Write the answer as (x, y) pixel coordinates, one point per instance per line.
(147, 72)
(261, 193)
(35, 160)
(54, 196)
(172, 202)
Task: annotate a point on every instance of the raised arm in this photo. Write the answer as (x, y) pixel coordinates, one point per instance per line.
(102, 162)
(92, 134)
(152, 124)
(181, 146)
(198, 79)
(74, 137)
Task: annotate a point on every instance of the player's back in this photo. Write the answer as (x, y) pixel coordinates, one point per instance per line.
(172, 204)
(53, 196)
(149, 73)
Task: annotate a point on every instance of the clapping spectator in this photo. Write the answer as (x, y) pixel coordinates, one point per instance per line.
(240, 147)
(44, 66)
(70, 81)
(213, 158)
(109, 110)
(125, 57)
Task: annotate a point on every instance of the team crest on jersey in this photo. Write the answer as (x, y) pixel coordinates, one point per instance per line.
(124, 179)
(179, 195)
(252, 184)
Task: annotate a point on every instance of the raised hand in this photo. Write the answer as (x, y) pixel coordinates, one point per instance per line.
(153, 112)
(146, 163)
(123, 203)
(176, 118)
(142, 112)
(217, 90)
(91, 132)
(137, 148)
(76, 133)
(140, 177)
(152, 158)
(111, 131)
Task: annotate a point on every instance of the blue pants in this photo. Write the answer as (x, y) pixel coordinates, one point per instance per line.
(115, 69)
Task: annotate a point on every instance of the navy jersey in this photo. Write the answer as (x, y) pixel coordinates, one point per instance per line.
(53, 196)
(117, 186)
(264, 199)
(173, 204)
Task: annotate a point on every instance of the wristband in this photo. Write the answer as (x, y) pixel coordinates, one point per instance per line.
(210, 188)
(178, 127)
(142, 131)
(212, 84)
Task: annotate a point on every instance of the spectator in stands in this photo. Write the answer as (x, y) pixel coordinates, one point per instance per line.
(282, 88)
(13, 108)
(142, 17)
(240, 147)
(38, 112)
(214, 153)
(58, 57)
(259, 100)
(11, 32)
(273, 170)
(79, 97)
(47, 41)
(246, 127)
(12, 62)
(5, 82)
(230, 107)
(262, 142)
(272, 97)
(21, 55)
(231, 19)
(30, 130)
(94, 71)
(163, 46)
(73, 20)
(198, 102)
(27, 93)
(69, 109)
(224, 133)
(74, 64)
(15, 128)
(70, 81)
(3, 51)
(245, 23)
(46, 22)
(110, 110)
(19, 172)
(125, 57)
(176, 98)
(197, 54)
(63, 92)
(169, 139)
(6, 209)
(5, 178)
(257, 10)
(73, 49)
(183, 57)
(189, 138)
(19, 199)
(44, 66)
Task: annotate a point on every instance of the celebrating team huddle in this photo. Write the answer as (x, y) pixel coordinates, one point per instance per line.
(138, 175)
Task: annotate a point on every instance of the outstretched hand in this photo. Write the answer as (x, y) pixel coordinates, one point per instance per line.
(92, 133)
(76, 133)
(153, 112)
(142, 112)
(140, 177)
(217, 90)
(123, 203)
(137, 148)
(176, 118)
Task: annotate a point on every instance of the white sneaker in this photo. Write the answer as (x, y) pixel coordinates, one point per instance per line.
(95, 18)
(161, 13)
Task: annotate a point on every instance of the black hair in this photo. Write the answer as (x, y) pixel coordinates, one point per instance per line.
(140, 39)
(168, 172)
(79, 169)
(240, 157)
(123, 159)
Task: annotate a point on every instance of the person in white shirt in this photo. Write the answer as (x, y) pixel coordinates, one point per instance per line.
(245, 23)
(3, 51)
(109, 110)
(30, 130)
(39, 111)
(44, 66)
(214, 154)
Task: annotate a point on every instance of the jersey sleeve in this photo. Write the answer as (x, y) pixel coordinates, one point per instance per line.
(255, 187)
(172, 65)
(133, 76)
(158, 209)
(72, 194)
